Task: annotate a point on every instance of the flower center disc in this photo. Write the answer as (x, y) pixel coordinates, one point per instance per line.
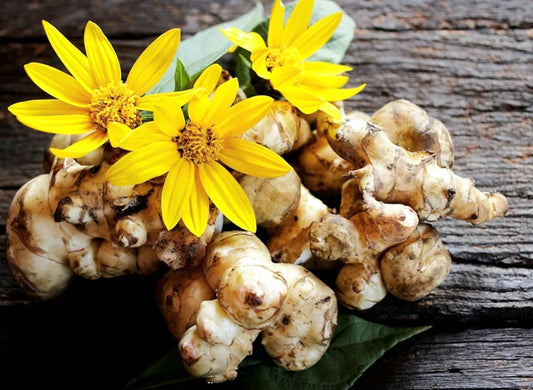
(281, 57)
(114, 103)
(198, 144)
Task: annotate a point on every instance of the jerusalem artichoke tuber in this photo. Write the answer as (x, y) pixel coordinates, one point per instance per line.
(292, 309)
(281, 130)
(414, 268)
(395, 175)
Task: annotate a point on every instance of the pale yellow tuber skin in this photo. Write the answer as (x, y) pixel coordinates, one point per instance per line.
(92, 228)
(248, 285)
(395, 175)
(274, 200)
(286, 209)
(406, 164)
(303, 329)
(281, 130)
(293, 310)
(359, 242)
(414, 268)
(214, 361)
(319, 167)
(179, 295)
(36, 253)
(360, 286)
(289, 243)
(46, 253)
(409, 126)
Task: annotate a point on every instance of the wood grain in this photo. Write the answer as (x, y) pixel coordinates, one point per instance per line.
(469, 64)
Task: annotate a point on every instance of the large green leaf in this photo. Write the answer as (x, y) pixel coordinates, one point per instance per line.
(206, 47)
(356, 344)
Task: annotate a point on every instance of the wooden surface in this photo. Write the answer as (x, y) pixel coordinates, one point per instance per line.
(469, 64)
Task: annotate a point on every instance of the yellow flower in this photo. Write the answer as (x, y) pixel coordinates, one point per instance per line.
(308, 85)
(189, 153)
(94, 96)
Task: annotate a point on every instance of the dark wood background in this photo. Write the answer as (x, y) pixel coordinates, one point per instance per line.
(468, 63)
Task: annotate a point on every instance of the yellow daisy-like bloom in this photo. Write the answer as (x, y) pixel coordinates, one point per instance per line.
(191, 152)
(94, 96)
(308, 85)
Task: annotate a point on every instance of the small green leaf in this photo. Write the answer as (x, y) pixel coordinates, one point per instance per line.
(181, 77)
(355, 346)
(206, 47)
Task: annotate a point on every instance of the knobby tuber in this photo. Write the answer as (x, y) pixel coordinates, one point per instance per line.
(359, 242)
(294, 312)
(403, 175)
(396, 175)
(72, 222)
(281, 130)
(391, 173)
(414, 268)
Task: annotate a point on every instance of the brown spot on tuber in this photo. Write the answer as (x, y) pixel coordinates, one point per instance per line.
(253, 300)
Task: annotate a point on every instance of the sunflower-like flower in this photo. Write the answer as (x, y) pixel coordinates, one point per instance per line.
(94, 95)
(308, 85)
(191, 151)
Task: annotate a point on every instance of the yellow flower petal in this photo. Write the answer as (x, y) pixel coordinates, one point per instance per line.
(59, 124)
(153, 62)
(143, 164)
(243, 116)
(275, 25)
(317, 35)
(298, 21)
(222, 100)
(248, 41)
(301, 98)
(143, 135)
(180, 98)
(253, 159)
(176, 192)
(208, 79)
(196, 215)
(198, 110)
(324, 82)
(74, 60)
(285, 75)
(169, 117)
(44, 107)
(58, 84)
(332, 110)
(227, 195)
(333, 94)
(117, 132)
(324, 68)
(82, 147)
(258, 58)
(101, 55)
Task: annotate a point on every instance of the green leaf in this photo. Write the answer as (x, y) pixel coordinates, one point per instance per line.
(206, 47)
(355, 346)
(181, 77)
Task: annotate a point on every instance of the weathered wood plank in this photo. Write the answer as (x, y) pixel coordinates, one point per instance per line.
(459, 359)
(467, 63)
(472, 293)
(150, 18)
